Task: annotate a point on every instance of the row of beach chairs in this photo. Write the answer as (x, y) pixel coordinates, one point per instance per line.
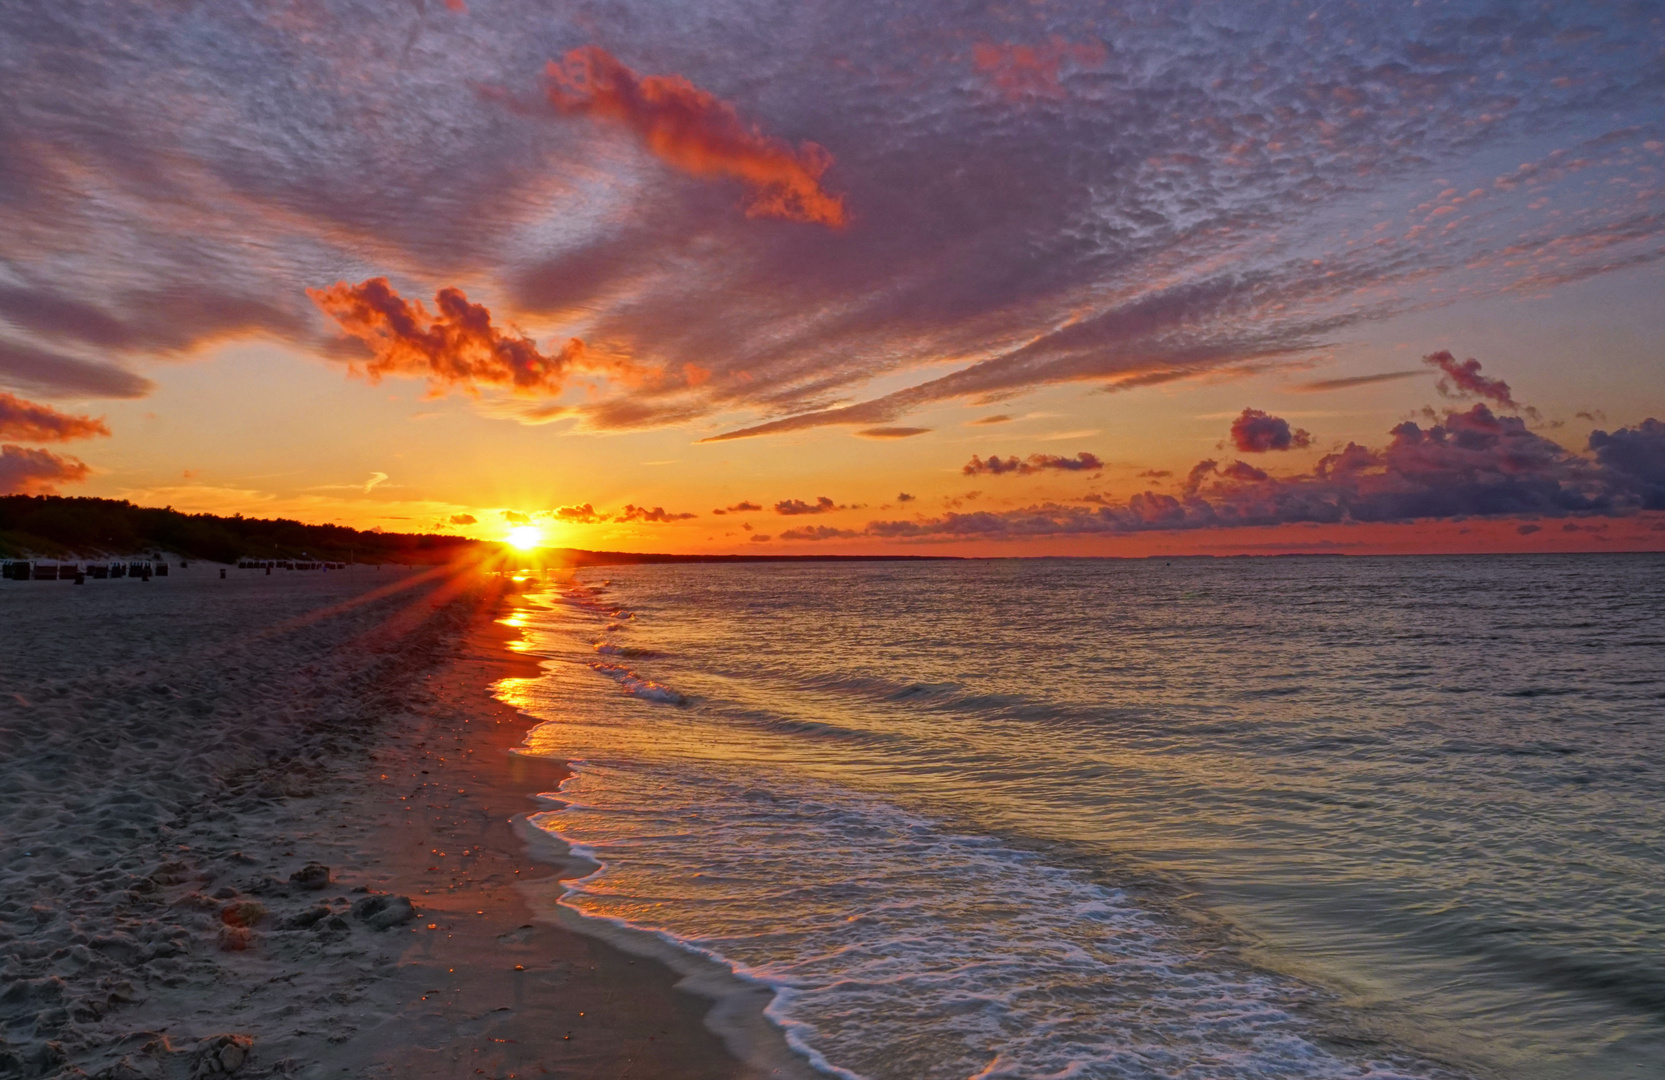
(22, 570)
(288, 564)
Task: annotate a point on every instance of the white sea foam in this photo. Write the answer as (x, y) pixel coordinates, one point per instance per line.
(899, 949)
(632, 683)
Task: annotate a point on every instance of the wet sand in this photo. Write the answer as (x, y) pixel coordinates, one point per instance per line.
(175, 753)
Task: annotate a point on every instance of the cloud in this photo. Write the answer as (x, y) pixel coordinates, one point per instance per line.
(997, 418)
(1255, 432)
(26, 420)
(43, 372)
(464, 519)
(458, 346)
(821, 505)
(583, 514)
(818, 532)
(692, 130)
(995, 465)
(375, 478)
(1020, 71)
(1464, 380)
(742, 507)
(1470, 464)
(1155, 474)
(1322, 385)
(903, 497)
(892, 432)
(761, 538)
(1635, 459)
(642, 513)
(24, 471)
(1202, 200)
(515, 517)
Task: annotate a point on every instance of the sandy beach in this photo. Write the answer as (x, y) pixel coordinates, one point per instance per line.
(265, 826)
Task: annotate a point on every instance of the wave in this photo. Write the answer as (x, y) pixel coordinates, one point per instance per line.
(634, 684)
(628, 651)
(893, 947)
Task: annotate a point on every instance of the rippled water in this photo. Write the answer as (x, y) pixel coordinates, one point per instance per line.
(1213, 818)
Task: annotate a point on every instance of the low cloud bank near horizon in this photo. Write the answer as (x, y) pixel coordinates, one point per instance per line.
(1471, 463)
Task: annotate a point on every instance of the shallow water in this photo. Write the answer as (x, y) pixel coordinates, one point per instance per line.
(1270, 817)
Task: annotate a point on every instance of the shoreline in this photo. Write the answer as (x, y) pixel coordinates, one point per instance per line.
(524, 995)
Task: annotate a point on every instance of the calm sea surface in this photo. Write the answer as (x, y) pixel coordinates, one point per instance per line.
(1208, 818)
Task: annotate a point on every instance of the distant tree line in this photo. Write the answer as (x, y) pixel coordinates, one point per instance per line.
(53, 526)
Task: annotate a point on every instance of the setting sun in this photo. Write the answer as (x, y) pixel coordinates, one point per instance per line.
(526, 537)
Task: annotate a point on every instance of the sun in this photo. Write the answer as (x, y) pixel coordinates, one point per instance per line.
(526, 537)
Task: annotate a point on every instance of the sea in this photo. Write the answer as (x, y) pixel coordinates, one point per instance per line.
(1200, 818)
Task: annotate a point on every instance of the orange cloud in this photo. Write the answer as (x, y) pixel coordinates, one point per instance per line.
(459, 346)
(25, 420)
(36, 472)
(699, 133)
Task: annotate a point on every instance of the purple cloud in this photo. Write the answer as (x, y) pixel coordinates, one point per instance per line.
(1470, 464)
(997, 466)
(1464, 379)
(1255, 432)
(792, 507)
(1137, 214)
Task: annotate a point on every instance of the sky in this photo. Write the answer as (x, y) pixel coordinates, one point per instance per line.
(1040, 278)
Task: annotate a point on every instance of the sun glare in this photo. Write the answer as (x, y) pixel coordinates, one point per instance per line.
(526, 537)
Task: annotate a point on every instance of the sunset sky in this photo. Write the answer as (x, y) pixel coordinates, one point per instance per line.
(845, 277)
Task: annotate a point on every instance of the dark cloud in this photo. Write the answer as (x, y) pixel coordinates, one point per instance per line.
(903, 496)
(1155, 474)
(1635, 460)
(996, 466)
(577, 515)
(1348, 383)
(818, 532)
(1464, 380)
(1470, 464)
(1256, 432)
(25, 471)
(694, 131)
(997, 418)
(26, 420)
(642, 513)
(892, 432)
(792, 507)
(742, 507)
(761, 538)
(464, 519)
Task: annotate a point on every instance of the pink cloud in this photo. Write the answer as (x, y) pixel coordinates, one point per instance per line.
(697, 132)
(26, 420)
(1465, 380)
(24, 471)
